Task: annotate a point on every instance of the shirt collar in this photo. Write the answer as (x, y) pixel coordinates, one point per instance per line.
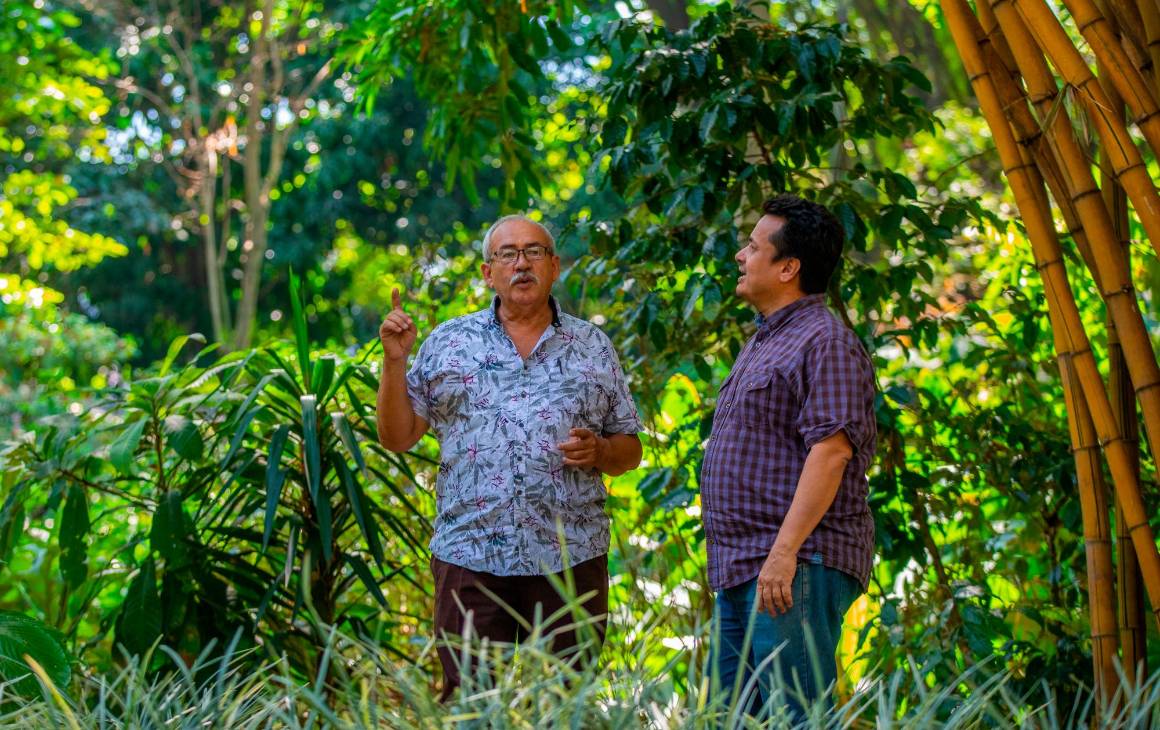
(772, 323)
(551, 303)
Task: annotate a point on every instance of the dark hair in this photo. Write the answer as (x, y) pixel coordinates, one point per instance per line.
(811, 234)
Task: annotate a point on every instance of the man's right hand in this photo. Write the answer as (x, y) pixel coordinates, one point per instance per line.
(397, 331)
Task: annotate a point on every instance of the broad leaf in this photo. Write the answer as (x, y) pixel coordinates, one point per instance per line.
(22, 635)
(170, 532)
(139, 624)
(74, 533)
(124, 447)
(184, 437)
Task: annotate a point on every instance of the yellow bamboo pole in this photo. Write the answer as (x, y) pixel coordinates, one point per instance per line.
(1092, 487)
(1129, 19)
(1103, 254)
(1133, 87)
(1150, 15)
(1125, 158)
(994, 35)
(1129, 604)
(1028, 130)
(1129, 600)
(1097, 539)
(1024, 179)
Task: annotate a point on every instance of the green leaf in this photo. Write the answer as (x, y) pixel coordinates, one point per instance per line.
(323, 374)
(139, 624)
(169, 534)
(239, 434)
(124, 447)
(692, 296)
(346, 434)
(711, 300)
(300, 339)
(704, 370)
(325, 523)
(1030, 333)
(12, 519)
(696, 200)
(175, 348)
(22, 635)
(184, 437)
(654, 484)
(311, 445)
(363, 571)
(560, 37)
(73, 537)
(362, 513)
(708, 121)
(275, 478)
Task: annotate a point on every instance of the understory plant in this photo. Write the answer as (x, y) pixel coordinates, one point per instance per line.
(242, 494)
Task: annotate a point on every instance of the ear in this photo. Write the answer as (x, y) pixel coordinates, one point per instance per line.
(485, 269)
(789, 269)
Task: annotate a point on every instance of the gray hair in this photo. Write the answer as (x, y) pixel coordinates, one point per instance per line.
(485, 245)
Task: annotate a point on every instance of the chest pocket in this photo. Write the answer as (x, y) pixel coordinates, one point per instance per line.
(760, 399)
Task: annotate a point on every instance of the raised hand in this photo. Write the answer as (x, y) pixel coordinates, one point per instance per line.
(397, 332)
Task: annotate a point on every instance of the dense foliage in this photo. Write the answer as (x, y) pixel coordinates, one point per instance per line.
(216, 496)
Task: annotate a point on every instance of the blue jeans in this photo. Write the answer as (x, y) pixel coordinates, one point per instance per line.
(789, 658)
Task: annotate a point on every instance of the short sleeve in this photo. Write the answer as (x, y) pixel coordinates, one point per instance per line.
(622, 416)
(838, 395)
(419, 380)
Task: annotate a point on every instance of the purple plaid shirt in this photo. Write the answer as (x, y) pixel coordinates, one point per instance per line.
(801, 378)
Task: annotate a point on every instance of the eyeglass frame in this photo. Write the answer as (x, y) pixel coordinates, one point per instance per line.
(499, 255)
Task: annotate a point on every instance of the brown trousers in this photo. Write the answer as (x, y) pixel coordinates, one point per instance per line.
(456, 586)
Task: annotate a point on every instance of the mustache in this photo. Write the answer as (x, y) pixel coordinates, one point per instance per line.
(522, 277)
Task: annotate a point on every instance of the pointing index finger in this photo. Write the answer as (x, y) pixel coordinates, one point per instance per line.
(396, 300)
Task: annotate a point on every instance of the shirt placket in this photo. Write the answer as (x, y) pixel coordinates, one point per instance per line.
(520, 448)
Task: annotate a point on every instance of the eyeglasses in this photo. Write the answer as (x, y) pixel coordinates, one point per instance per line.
(535, 252)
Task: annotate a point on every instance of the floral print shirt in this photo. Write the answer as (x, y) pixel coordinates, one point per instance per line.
(504, 497)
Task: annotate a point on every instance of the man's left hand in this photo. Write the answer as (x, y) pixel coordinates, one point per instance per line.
(775, 582)
(584, 449)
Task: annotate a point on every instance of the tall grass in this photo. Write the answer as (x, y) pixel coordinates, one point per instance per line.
(361, 685)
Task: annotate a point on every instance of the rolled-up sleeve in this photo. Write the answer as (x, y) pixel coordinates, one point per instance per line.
(838, 394)
(622, 416)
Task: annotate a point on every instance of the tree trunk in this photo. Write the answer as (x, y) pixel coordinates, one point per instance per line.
(213, 273)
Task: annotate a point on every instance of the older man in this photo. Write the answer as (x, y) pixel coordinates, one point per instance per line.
(783, 485)
(530, 407)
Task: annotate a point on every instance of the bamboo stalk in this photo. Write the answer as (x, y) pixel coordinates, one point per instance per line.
(1150, 14)
(1129, 600)
(1092, 487)
(1128, 612)
(1028, 130)
(1129, 20)
(1133, 87)
(1122, 153)
(993, 34)
(1097, 539)
(1103, 255)
(1024, 179)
